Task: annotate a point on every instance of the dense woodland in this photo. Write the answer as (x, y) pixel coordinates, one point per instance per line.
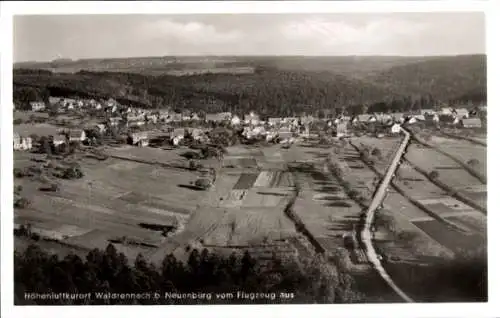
(109, 271)
(275, 91)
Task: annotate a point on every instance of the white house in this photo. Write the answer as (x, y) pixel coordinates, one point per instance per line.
(471, 123)
(274, 121)
(412, 120)
(341, 129)
(77, 135)
(101, 128)
(140, 138)
(427, 111)
(398, 117)
(461, 113)
(37, 106)
(395, 128)
(59, 140)
(446, 111)
(22, 143)
(235, 121)
(252, 119)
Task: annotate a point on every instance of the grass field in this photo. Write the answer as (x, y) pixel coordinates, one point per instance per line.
(462, 150)
(37, 129)
(449, 171)
(453, 240)
(118, 198)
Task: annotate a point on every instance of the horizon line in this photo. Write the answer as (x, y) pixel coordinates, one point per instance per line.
(241, 55)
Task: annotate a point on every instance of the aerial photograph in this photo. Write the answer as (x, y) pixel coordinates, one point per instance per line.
(249, 158)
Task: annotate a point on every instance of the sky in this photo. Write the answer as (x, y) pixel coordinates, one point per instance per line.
(47, 37)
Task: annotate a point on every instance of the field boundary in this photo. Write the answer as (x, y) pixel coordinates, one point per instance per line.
(413, 201)
(366, 235)
(450, 190)
(472, 140)
(471, 171)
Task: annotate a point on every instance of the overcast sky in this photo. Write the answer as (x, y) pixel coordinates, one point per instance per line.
(43, 38)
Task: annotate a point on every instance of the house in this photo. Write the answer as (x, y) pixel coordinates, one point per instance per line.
(54, 100)
(101, 128)
(395, 128)
(76, 135)
(342, 129)
(195, 117)
(225, 116)
(139, 138)
(427, 111)
(285, 136)
(363, 118)
(136, 123)
(218, 117)
(197, 134)
(274, 121)
(383, 118)
(461, 113)
(235, 121)
(114, 121)
(252, 119)
(446, 111)
(398, 117)
(37, 106)
(304, 120)
(412, 120)
(22, 143)
(59, 140)
(471, 123)
(345, 118)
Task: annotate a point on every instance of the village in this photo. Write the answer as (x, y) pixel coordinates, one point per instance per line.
(142, 125)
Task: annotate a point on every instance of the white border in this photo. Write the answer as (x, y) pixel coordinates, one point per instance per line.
(8, 9)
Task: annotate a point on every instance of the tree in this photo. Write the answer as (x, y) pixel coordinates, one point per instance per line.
(473, 162)
(203, 183)
(434, 175)
(376, 152)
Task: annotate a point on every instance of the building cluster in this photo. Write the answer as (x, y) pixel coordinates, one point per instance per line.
(286, 130)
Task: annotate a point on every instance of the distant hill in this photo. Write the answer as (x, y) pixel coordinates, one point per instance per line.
(444, 78)
(279, 85)
(352, 66)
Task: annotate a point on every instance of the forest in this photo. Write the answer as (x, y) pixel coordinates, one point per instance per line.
(275, 91)
(109, 271)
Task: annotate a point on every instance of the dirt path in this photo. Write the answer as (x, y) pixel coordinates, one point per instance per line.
(366, 235)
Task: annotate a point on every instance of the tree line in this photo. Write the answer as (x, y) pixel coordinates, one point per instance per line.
(269, 92)
(311, 281)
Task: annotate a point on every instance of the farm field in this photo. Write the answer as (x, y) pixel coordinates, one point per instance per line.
(387, 147)
(242, 209)
(449, 171)
(115, 198)
(41, 129)
(453, 240)
(149, 154)
(463, 150)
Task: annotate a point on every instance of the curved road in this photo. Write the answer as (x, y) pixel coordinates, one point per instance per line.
(366, 236)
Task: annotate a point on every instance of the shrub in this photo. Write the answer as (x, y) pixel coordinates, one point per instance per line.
(473, 162)
(203, 183)
(434, 174)
(18, 173)
(376, 152)
(17, 121)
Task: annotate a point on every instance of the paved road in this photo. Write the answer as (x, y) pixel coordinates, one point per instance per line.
(370, 213)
